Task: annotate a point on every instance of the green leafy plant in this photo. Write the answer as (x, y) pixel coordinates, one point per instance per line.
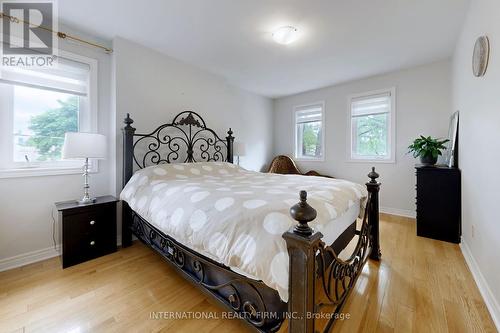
(49, 128)
(427, 147)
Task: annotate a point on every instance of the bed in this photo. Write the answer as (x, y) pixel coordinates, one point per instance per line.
(247, 238)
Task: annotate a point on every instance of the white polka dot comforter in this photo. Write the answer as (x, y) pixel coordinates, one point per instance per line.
(235, 216)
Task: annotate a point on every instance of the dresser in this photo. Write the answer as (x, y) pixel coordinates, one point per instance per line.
(439, 203)
(88, 231)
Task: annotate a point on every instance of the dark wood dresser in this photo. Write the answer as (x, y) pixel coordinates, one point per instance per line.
(439, 203)
(88, 231)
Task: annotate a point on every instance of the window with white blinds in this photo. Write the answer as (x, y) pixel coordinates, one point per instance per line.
(309, 131)
(39, 105)
(372, 117)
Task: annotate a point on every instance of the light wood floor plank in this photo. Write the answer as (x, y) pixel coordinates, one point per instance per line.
(421, 285)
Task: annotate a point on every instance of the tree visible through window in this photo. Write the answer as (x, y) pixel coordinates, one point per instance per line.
(40, 122)
(49, 128)
(371, 122)
(371, 135)
(311, 139)
(309, 131)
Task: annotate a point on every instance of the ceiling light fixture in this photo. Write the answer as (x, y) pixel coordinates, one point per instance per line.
(285, 35)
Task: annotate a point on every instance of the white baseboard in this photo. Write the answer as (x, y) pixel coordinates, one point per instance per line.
(398, 212)
(35, 256)
(29, 258)
(482, 284)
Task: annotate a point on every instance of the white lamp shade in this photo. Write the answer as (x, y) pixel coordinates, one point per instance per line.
(239, 149)
(84, 145)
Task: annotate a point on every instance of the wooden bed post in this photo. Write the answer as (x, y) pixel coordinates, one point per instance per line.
(302, 243)
(128, 149)
(230, 142)
(128, 165)
(373, 214)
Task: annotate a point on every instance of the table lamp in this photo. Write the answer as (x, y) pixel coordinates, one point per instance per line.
(239, 150)
(84, 146)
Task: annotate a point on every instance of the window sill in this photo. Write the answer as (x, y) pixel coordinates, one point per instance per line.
(38, 172)
(361, 160)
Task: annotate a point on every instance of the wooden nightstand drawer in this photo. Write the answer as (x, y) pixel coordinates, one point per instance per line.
(88, 231)
(92, 222)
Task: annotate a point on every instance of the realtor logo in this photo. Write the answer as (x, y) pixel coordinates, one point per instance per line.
(28, 37)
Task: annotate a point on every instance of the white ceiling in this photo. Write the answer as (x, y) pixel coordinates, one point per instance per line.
(341, 40)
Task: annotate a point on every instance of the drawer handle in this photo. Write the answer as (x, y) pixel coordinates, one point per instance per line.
(92, 243)
(92, 222)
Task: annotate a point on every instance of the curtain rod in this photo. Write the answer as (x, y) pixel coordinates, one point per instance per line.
(59, 34)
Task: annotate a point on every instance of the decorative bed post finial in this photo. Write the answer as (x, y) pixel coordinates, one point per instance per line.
(303, 213)
(128, 121)
(373, 175)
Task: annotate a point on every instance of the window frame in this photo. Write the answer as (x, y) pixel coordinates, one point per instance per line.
(10, 169)
(391, 133)
(295, 139)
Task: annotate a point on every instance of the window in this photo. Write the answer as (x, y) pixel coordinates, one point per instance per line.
(38, 106)
(372, 123)
(309, 131)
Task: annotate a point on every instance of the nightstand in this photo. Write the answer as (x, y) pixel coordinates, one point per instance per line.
(88, 231)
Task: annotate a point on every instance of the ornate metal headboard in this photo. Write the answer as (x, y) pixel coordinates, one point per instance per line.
(186, 139)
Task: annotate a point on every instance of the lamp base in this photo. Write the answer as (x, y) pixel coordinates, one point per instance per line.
(86, 201)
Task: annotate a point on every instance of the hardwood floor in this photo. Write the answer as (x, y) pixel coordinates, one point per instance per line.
(421, 285)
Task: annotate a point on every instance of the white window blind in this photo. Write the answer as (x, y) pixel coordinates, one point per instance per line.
(308, 114)
(371, 105)
(69, 76)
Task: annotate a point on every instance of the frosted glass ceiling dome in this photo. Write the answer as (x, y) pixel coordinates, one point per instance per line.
(286, 35)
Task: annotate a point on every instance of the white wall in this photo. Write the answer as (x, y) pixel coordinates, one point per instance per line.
(479, 154)
(423, 104)
(153, 88)
(26, 203)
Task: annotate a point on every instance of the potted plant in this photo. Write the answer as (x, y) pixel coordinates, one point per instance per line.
(427, 148)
